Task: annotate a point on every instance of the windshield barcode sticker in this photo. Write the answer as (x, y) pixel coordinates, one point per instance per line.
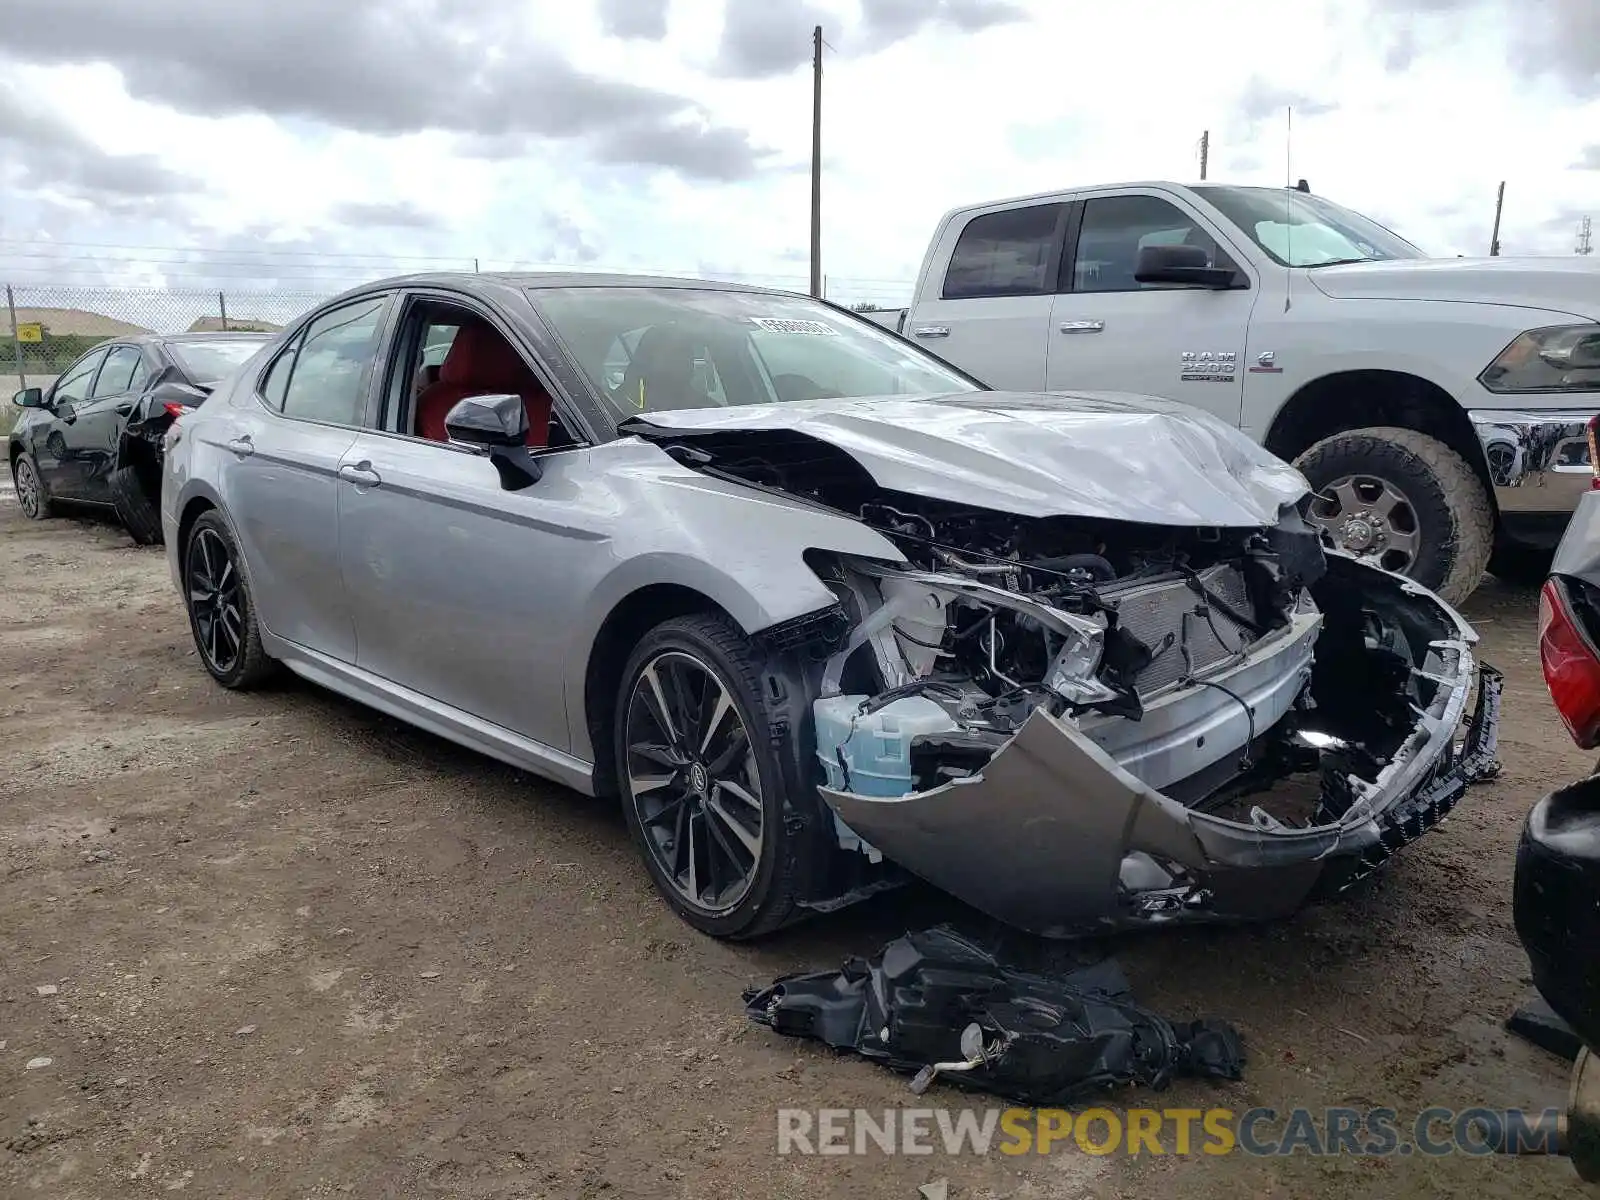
(788, 325)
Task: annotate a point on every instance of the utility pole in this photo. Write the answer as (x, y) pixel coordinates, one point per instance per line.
(816, 162)
(1205, 153)
(1584, 231)
(1494, 238)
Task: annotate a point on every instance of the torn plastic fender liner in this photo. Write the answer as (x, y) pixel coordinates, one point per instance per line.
(937, 1004)
(1038, 840)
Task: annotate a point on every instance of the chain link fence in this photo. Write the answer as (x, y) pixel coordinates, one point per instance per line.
(44, 327)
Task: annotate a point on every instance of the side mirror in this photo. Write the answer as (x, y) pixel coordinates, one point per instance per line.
(29, 398)
(499, 420)
(1179, 264)
(496, 425)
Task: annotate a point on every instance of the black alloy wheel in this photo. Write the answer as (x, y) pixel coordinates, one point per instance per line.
(693, 781)
(222, 614)
(700, 749)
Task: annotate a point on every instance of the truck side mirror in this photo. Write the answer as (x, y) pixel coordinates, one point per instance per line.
(1180, 264)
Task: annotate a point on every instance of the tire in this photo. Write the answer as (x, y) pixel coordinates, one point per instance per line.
(1452, 525)
(32, 495)
(676, 653)
(1524, 566)
(138, 515)
(208, 601)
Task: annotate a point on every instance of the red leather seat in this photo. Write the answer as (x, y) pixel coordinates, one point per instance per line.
(482, 363)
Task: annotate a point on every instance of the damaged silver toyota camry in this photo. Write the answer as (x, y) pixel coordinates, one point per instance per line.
(821, 610)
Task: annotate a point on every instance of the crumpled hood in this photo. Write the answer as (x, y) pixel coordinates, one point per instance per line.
(1568, 285)
(1120, 457)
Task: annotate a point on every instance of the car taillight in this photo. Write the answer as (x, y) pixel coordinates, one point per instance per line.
(176, 410)
(1594, 457)
(1571, 665)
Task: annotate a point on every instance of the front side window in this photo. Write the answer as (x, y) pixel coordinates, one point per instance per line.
(1296, 229)
(1009, 253)
(123, 371)
(329, 378)
(73, 387)
(647, 349)
(1116, 228)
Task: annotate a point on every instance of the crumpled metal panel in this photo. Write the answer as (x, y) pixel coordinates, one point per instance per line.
(1090, 454)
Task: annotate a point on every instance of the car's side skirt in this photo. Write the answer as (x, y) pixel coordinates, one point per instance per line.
(446, 721)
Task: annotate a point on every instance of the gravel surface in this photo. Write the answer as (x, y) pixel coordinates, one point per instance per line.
(278, 945)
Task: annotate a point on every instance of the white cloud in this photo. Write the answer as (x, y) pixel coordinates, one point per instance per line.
(1411, 116)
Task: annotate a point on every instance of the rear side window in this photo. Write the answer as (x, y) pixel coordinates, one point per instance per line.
(276, 383)
(333, 364)
(123, 372)
(1010, 253)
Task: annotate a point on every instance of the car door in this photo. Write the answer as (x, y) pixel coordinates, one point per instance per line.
(1108, 332)
(462, 590)
(60, 468)
(282, 443)
(991, 313)
(100, 420)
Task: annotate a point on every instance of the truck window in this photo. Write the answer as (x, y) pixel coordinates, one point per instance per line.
(1010, 253)
(1116, 228)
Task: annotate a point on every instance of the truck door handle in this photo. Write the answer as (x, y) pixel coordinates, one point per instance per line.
(361, 474)
(932, 331)
(242, 446)
(1082, 326)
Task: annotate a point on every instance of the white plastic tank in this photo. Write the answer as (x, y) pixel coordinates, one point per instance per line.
(875, 748)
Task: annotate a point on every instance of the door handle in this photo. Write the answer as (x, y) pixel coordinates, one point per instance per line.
(242, 446)
(931, 331)
(361, 474)
(1082, 326)
(125, 409)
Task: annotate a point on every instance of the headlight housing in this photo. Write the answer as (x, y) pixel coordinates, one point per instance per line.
(1556, 358)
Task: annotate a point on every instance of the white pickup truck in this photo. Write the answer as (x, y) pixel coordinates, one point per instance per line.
(1440, 407)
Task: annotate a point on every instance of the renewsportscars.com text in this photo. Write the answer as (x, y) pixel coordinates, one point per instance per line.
(1373, 1132)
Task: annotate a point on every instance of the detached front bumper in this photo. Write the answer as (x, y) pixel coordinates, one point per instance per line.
(1539, 464)
(1056, 838)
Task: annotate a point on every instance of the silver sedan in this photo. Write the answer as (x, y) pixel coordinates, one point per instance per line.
(821, 610)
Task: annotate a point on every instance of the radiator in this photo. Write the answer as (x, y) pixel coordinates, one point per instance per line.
(1164, 615)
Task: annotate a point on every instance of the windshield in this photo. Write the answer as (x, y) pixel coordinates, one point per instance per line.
(206, 363)
(648, 349)
(1300, 230)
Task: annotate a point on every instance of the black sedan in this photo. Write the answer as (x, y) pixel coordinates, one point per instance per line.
(95, 435)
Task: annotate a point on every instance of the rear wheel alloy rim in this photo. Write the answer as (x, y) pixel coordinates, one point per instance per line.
(693, 783)
(27, 488)
(1370, 518)
(215, 601)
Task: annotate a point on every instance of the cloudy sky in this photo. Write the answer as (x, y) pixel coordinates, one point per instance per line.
(310, 143)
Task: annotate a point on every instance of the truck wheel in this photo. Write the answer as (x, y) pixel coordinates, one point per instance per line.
(138, 515)
(1403, 501)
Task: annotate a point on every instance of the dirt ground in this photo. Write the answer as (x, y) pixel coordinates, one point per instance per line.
(301, 950)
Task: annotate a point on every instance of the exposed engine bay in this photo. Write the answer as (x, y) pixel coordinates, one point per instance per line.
(1076, 722)
(1000, 615)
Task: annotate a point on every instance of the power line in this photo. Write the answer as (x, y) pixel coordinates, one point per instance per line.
(1584, 230)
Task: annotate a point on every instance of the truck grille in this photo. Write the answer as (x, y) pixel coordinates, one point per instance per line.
(1167, 615)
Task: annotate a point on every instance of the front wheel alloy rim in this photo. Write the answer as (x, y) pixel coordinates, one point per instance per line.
(693, 783)
(27, 488)
(215, 601)
(1370, 518)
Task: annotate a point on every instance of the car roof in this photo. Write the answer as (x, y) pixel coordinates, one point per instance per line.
(561, 279)
(160, 339)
